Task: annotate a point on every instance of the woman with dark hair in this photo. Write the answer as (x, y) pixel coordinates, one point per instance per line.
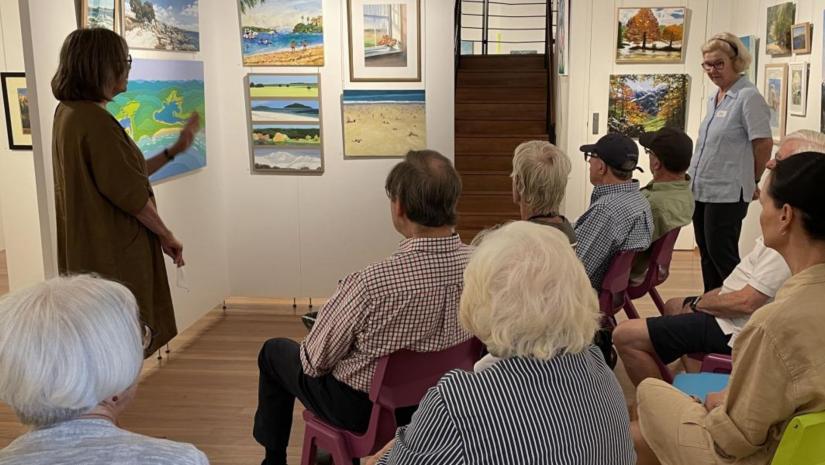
(778, 361)
(107, 220)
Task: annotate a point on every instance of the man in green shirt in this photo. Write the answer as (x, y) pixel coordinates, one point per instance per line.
(671, 200)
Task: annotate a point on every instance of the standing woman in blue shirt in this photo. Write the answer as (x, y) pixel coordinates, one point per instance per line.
(733, 147)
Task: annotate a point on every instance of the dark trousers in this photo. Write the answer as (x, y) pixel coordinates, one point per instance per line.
(717, 227)
(282, 380)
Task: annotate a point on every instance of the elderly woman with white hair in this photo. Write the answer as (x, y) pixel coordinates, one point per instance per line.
(734, 144)
(550, 399)
(71, 350)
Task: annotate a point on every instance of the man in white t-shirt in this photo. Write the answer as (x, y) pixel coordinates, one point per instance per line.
(710, 323)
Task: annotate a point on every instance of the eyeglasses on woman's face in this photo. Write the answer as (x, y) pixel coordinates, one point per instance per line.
(717, 65)
(129, 60)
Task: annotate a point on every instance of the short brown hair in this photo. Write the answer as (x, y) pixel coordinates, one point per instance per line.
(90, 61)
(427, 187)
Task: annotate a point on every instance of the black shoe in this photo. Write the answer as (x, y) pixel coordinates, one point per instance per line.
(309, 319)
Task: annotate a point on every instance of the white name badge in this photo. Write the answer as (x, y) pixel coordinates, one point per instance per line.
(721, 113)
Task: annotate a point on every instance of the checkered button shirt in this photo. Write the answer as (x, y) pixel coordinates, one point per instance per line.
(618, 219)
(408, 301)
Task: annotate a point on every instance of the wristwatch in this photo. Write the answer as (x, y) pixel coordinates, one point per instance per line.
(694, 303)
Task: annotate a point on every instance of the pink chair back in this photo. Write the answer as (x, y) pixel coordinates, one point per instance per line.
(614, 286)
(661, 254)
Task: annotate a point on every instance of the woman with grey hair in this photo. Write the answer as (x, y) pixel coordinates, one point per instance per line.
(550, 399)
(733, 146)
(71, 350)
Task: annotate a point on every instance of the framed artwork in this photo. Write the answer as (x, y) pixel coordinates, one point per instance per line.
(776, 93)
(100, 13)
(801, 38)
(641, 103)
(383, 123)
(798, 89)
(282, 32)
(650, 35)
(285, 123)
(161, 96)
(384, 40)
(778, 29)
(16, 106)
(562, 39)
(752, 44)
(162, 25)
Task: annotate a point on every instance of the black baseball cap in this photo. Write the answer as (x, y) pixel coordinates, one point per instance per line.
(616, 150)
(669, 142)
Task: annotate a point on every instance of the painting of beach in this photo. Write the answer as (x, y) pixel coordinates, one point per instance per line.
(383, 123)
(285, 160)
(282, 32)
(303, 111)
(161, 96)
(101, 13)
(283, 85)
(650, 35)
(162, 25)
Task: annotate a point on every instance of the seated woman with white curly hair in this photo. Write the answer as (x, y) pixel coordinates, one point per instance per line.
(71, 350)
(550, 399)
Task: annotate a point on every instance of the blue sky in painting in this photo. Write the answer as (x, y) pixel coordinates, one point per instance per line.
(262, 79)
(166, 70)
(281, 14)
(178, 13)
(665, 16)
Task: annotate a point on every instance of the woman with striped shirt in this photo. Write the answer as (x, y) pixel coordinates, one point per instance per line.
(550, 399)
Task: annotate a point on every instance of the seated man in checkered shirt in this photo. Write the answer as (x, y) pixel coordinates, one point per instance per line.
(407, 301)
(619, 216)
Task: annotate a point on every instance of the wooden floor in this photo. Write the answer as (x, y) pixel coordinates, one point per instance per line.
(205, 391)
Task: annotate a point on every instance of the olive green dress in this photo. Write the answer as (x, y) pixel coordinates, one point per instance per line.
(100, 183)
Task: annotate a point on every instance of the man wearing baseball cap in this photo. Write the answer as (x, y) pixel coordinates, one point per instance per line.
(671, 201)
(619, 216)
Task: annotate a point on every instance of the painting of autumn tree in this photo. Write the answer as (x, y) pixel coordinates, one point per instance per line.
(646, 102)
(650, 35)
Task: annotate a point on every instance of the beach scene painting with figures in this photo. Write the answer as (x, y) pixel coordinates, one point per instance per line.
(282, 32)
(101, 13)
(650, 35)
(285, 123)
(160, 98)
(384, 40)
(641, 103)
(162, 25)
(383, 123)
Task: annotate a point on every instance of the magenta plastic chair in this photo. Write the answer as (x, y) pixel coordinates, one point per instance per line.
(717, 363)
(661, 254)
(401, 379)
(613, 293)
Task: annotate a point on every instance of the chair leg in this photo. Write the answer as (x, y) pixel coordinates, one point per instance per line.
(340, 455)
(657, 299)
(630, 309)
(309, 450)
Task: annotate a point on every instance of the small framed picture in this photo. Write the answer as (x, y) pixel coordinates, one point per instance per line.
(16, 106)
(384, 40)
(776, 93)
(801, 38)
(798, 89)
(100, 13)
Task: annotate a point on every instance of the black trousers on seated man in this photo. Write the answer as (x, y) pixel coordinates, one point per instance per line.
(282, 380)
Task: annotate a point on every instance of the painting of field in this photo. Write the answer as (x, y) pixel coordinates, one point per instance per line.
(650, 35)
(286, 134)
(301, 111)
(383, 123)
(287, 159)
(282, 33)
(286, 86)
(641, 103)
(778, 32)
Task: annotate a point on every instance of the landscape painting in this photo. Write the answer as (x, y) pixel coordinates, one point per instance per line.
(162, 25)
(752, 44)
(286, 134)
(287, 160)
(384, 40)
(16, 107)
(650, 35)
(282, 32)
(283, 85)
(101, 13)
(775, 93)
(798, 98)
(778, 32)
(383, 123)
(303, 111)
(641, 103)
(161, 96)
(801, 38)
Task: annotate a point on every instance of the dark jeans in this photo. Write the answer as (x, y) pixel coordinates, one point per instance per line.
(282, 380)
(717, 227)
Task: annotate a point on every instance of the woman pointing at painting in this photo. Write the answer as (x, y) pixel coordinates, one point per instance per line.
(733, 146)
(107, 220)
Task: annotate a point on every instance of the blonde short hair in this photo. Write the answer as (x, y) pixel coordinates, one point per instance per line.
(806, 140)
(740, 57)
(540, 172)
(526, 294)
(66, 345)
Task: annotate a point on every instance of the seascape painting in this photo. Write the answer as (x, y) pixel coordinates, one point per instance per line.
(162, 25)
(650, 35)
(283, 85)
(752, 44)
(383, 123)
(282, 32)
(384, 40)
(778, 30)
(775, 93)
(302, 111)
(101, 13)
(161, 96)
(641, 103)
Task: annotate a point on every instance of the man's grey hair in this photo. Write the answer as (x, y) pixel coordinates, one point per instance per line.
(540, 173)
(66, 345)
(805, 140)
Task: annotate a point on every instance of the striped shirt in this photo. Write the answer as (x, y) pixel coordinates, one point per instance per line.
(408, 301)
(618, 219)
(563, 411)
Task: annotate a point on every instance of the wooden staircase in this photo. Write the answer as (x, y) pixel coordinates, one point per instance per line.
(501, 101)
